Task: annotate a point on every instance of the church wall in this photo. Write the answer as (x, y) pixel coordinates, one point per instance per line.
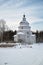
(25, 30)
(21, 38)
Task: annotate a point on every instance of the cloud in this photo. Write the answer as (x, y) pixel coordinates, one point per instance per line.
(2, 2)
(28, 3)
(25, 3)
(12, 11)
(37, 25)
(10, 3)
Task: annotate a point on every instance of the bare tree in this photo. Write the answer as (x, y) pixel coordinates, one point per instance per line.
(2, 28)
(2, 25)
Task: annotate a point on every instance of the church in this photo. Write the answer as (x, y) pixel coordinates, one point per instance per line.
(24, 33)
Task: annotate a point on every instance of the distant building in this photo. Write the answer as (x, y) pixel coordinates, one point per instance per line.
(24, 33)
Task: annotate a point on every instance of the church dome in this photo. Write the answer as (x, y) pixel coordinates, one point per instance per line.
(24, 22)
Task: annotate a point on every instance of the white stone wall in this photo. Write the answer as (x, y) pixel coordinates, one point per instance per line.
(21, 37)
(24, 32)
(15, 38)
(33, 39)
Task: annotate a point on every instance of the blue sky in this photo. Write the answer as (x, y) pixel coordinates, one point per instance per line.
(12, 10)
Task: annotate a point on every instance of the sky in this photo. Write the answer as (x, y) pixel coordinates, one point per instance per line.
(12, 12)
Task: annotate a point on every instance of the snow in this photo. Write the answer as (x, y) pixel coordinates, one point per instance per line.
(26, 55)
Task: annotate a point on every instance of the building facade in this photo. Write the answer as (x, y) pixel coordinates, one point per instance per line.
(24, 33)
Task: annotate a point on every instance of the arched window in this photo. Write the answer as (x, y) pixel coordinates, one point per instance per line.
(27, 32)
(21, 27)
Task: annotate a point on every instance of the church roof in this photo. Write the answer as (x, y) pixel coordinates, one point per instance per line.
(20, 33)
(24, 20)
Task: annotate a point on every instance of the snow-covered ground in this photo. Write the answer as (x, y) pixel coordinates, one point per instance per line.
(26, 55)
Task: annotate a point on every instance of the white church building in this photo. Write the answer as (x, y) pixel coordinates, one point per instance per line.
(24, 33)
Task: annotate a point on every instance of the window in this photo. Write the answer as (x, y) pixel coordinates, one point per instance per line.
(21, 27)
(27, 32)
